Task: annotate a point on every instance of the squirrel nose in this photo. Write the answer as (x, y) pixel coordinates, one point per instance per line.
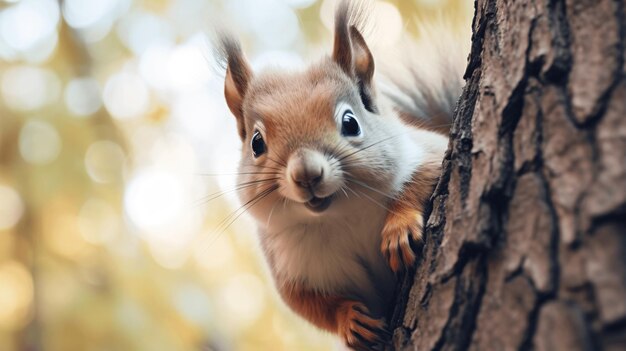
(305, 169)
(307, 178)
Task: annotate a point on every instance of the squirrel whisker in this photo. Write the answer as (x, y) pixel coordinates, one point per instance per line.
(356, 194)
(340, 148)
(283, 164)
(235, 173)
(372, 189)
(224, 224)
(264, 167)
(269, 217)
(242, 186)
(371, 199)
(248, 205)
(344, 191)
(285, 203)
(369, 146)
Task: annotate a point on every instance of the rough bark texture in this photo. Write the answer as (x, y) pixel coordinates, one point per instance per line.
(526, 242)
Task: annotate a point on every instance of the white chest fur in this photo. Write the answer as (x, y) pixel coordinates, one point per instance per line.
(336, 255)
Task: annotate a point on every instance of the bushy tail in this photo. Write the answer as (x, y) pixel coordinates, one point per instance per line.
(425, 78)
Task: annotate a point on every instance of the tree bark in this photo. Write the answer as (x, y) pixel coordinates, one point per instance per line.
(525, 243)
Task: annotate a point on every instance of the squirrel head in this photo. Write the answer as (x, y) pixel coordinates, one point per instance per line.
(310, 134)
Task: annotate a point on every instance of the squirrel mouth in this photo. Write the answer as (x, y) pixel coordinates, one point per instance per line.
(317, 204)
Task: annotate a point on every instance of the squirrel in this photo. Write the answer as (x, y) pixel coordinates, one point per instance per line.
(336, 177)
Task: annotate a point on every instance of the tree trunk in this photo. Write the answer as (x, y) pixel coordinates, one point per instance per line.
(525, 245)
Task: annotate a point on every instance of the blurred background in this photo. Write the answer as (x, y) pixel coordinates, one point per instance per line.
(115, 141)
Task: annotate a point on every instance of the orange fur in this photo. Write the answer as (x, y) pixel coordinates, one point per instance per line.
(348, 318)
(404, 221)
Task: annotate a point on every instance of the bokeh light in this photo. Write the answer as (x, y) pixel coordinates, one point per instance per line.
(104, 161)
(187, 66)
(126, 95)
(98, 222)
(29, 24)
(299, 4)
(274, 22)
(141, 31)
(11, 207)
(154, 199)
(192, 303)
(192, 113)
(16, 294)
(28, 88)
(83, 14)
(93, 19)
(39, 142)
(61, 233)
(153, 65)
(243, 300)
(220, 254)
(82, 96)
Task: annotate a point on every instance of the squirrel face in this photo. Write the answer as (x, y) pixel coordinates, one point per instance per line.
(312, 135)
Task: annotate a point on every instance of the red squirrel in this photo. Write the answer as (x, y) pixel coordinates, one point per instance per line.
(336, 179)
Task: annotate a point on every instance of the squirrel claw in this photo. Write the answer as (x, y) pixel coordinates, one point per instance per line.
(359, 330)
(396, 243)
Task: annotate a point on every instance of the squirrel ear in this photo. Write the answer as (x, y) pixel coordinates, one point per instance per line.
(351, 53)
(238, 75)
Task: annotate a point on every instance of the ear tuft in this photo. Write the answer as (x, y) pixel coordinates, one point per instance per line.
(238, 76)
(350, 51)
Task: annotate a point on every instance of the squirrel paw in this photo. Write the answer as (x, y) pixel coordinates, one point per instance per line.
(396, 240)
(359, 330)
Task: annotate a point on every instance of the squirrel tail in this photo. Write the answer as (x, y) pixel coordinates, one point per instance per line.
(425, 82)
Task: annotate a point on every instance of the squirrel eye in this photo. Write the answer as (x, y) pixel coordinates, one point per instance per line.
(258, 144)
(349, 124)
